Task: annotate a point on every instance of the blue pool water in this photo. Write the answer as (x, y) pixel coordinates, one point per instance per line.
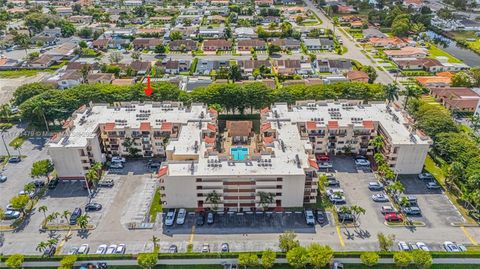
(239, 154)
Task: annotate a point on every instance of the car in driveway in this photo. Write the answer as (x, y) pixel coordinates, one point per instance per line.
(3, 178)
(205, 248)
(121, 248)
(412, 210)
(375, 186)
(170, 218)
(403, 246)
(224, 247)
(432, 185)
(450, 246)
(182, 213)
(309, 217)
(111, 249)
(425, 176)
(210, 218)
(393, 217)
(388, 209)
(422, 246)
(200, 219)
(101, 249)
(93, 207)
(83, 249)
(380, 197)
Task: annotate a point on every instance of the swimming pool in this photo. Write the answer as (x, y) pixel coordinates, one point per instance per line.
(239, 154)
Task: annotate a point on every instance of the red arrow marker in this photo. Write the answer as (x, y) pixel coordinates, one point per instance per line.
(148, 90)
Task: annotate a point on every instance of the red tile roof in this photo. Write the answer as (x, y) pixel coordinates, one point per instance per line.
(311, 125)
(213, 111)
(368, 124)
(332, 124)
(166, 126)
(209, 140)
(313, 163)
(211, 127)
(266, 126)
(268, 140)
(162, 171)
(265, 110)
(145, 126)
(109, 126)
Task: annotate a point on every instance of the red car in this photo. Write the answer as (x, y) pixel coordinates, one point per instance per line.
(322, 158)
(393, 217)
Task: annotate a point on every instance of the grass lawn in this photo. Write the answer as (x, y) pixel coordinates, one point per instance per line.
(462, 35)
(156, 206)
(19, 73)
(435, 51)
(18, 139)
(391, 266)
(474, 45)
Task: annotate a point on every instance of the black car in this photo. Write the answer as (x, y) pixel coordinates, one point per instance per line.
(14, 160)
(77, 212)
(321, 217)
(49, 251)
(39, 183)
(53, 183)
(99, 265)
(200, 220)
(93, 207)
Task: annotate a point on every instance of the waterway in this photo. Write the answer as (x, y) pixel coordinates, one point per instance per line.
(467, 56)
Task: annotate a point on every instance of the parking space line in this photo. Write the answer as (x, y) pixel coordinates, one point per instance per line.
(469, 236)
(192, 235)
(339, 233)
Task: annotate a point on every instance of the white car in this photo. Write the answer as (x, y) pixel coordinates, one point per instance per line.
(101, 249)
(116, 166)
(402, 246)
(388, 209)
(375, 186)
(118, 159)
(362, 162)
(3, 178)
(121, 248)
(83, 249)
(182, 213)
(432, 185)
(422, 246)
(205, 248)
(170, 218)
(413, 246)
(309, 217)
(451, 246)
(111, 249)
(72, 251)
(331, 192)
(425, 176)
(380, 197)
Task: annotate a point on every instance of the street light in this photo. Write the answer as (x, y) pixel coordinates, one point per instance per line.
(5, 144)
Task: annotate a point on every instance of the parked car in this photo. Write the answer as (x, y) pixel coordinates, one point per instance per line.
(200, 219)
(11, 214)
(380, 197)
(72, 251)
(105, 183)
(412, 210)
(402, 246)
(412, 200)
(205, 248)
(432, 185)
(121, 248)
(309, 218)
(93, 207)
(182, 213)
(413, 246)
(101, 249)
(39, 183)
(337, 265)
(11, 207)
(388, 209)
(375, 186)
(362, 162)
(49, 251)
(170, 218)
(3, 178)
(337, 199)
(425, 176)
(52, 184)
(173, 249)
(393, 217)
(422, 246)
(325, 165)
(210, 218)
(111, 249)
(331, 192)
(83, 249)
(15, 159)
(328, 175)
(224, 247)
(451, 246)
(321, 217)
(117, 165)
(118, 159)
(30, 194)
(332, 182)
(77, 212)
(345, 217)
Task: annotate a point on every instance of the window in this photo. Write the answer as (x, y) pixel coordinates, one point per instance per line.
(198, 180)
(279, 179)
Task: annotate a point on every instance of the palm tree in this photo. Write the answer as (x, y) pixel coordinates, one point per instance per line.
(30, 187)
(52, 242)
(411, 92)
(391, 92)
(266, 199)
(5, 112)
(49, 219)
(85, 70)
(396, 187)
(41, 246)
(83, 221)
(155, 241)
(357, 210)
(213, 198)
(66, 214)
(55, 215)
(377, 142)
(17, 145)
(344, 210)
(43, 209)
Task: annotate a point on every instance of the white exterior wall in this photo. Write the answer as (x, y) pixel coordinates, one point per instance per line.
(179, 192)
(410, 158)
(68, 162)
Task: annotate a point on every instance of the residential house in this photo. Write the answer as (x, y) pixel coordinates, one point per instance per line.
(355, 75)
(43, 62)
(406, 52)
(217, 45)
(204, 67)
(326, 43)
(64, 11)
(183, 45)
(189, 19)
(66, 51)
(44, 40)
(187, 32)
(216, 19)
(345, 9)
(373, 33)
(247, 66)
(214, 32)
(248, 44)
(146, 43)
(441, 80)
(9, 64)
(101, 43)
(415, 4)
(264, 3)
(340, 66)
(140, 68)
(174, 67)
(105, 78)
(390, 42)
(245, 32)
(427, 64)
(312, 44)
(287, 44)
(70, 79)
(287, 67)
(161, 19)
(81, 19)
(456, 98)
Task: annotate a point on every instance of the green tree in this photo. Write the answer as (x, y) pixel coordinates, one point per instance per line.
(66, 215)
(287, 241)
(147, 260)
(377, 142)
(357, 211)
(422, 259)
(115, 57)
(68, 261)
(272, 49)
(411, 92)
(402, 259)
(175, 35)
(319, 256)
(29, 90)
(15, 261)
(475, 122)
(266, 199)
(20, 202)
(461, 79)
(41, 246)
(401, 25)
(391, 92)
(160, 49)
(234, 73)
(371, 72)
(67, 29)
(41, 168)
(248, 260)
(23, 41)
(83, 221)
(268, 258)
(297, 257)
(2, 213)
(369, 258)
(385, 242)
(213, 198)
(155, 241)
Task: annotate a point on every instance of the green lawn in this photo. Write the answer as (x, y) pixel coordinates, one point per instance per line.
(435, 51)
(19, 73)
(18, 139)
(392, 266)
(156, 206)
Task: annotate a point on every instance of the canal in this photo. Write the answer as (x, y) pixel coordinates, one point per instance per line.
(467, 56)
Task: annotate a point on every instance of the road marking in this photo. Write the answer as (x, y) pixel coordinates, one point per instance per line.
(64, 240)
(469, 236)
(192, 235)
(339, 233)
